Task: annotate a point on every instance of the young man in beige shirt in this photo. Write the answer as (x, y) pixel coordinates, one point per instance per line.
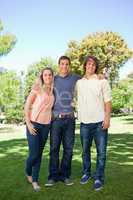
(94, 108)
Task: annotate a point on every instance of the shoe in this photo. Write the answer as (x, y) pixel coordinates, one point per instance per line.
(29, 179)
(85, 178)
(36, 187)
(68, 181)
(97, 185)
(50, 183)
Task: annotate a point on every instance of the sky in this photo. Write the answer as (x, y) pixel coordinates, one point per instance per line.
(43, 28)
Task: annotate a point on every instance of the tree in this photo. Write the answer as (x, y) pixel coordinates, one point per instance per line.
(8, 82)
(10, 102)
(7, 42)
(122, 96)
(35, 69)
(109, 47)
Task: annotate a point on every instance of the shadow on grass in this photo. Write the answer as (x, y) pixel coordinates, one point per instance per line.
(119, 169)
(119, 115)
(128, 120)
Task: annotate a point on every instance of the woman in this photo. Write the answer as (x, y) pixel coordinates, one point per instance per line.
(38, 117)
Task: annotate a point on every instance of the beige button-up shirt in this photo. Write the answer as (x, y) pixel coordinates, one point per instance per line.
(91, 96)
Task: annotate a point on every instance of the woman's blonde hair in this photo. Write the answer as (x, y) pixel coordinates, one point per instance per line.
(39, 83)
(41, 75)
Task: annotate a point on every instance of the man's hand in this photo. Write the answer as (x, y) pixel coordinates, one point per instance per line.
(101, 76)
(106, 122)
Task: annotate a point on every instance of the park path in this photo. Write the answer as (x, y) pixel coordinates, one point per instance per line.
(12, 131)
(9, 131)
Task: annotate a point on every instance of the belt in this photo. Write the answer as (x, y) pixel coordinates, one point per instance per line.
(64, 116)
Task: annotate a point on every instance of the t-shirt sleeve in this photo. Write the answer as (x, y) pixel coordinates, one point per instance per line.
(106, 89)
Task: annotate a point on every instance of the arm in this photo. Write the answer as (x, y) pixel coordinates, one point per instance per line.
(27, 107)
(107, 104)
(107, 109)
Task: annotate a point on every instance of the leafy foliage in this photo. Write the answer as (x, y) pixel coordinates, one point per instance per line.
(11, 101)
(34, 71)
(122, 95)
(7, 42)
(109, 47)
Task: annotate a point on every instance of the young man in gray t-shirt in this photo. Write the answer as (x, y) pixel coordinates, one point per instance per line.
(63, 124)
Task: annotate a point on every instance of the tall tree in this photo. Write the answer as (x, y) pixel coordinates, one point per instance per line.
(7, 41)
(109, 47)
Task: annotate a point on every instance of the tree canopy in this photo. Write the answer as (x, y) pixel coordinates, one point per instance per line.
(122, 95)
(109, 47)
(34, 71)
(11, 102)
(7, 41)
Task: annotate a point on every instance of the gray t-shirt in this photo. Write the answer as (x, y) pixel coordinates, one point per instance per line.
(63, 91)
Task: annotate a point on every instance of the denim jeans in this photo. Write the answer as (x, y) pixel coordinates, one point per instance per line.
(62, 131)
(36, 145)
(88, 132)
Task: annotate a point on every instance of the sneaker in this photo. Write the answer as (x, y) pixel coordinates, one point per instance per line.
(85, 178)
(50, 182)
(68, 181)
(97, 185)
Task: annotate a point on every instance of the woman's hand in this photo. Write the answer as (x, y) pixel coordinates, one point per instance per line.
(31, 128)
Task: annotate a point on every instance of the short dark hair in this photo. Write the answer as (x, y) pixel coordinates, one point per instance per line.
(64, 58)
(92, 58)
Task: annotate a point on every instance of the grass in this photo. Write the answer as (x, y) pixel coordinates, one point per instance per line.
(119, 170)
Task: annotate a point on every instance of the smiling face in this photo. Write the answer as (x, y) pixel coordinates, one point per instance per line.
(64, 67)
(90, 67)
(47, 77)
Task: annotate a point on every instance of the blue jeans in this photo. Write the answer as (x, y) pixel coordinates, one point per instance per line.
(88, 132)
(62, 131)
(36, 145)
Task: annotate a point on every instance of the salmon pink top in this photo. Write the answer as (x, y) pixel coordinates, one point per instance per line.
(41, 107)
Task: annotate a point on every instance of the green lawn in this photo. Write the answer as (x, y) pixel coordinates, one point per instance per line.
(119, 170)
